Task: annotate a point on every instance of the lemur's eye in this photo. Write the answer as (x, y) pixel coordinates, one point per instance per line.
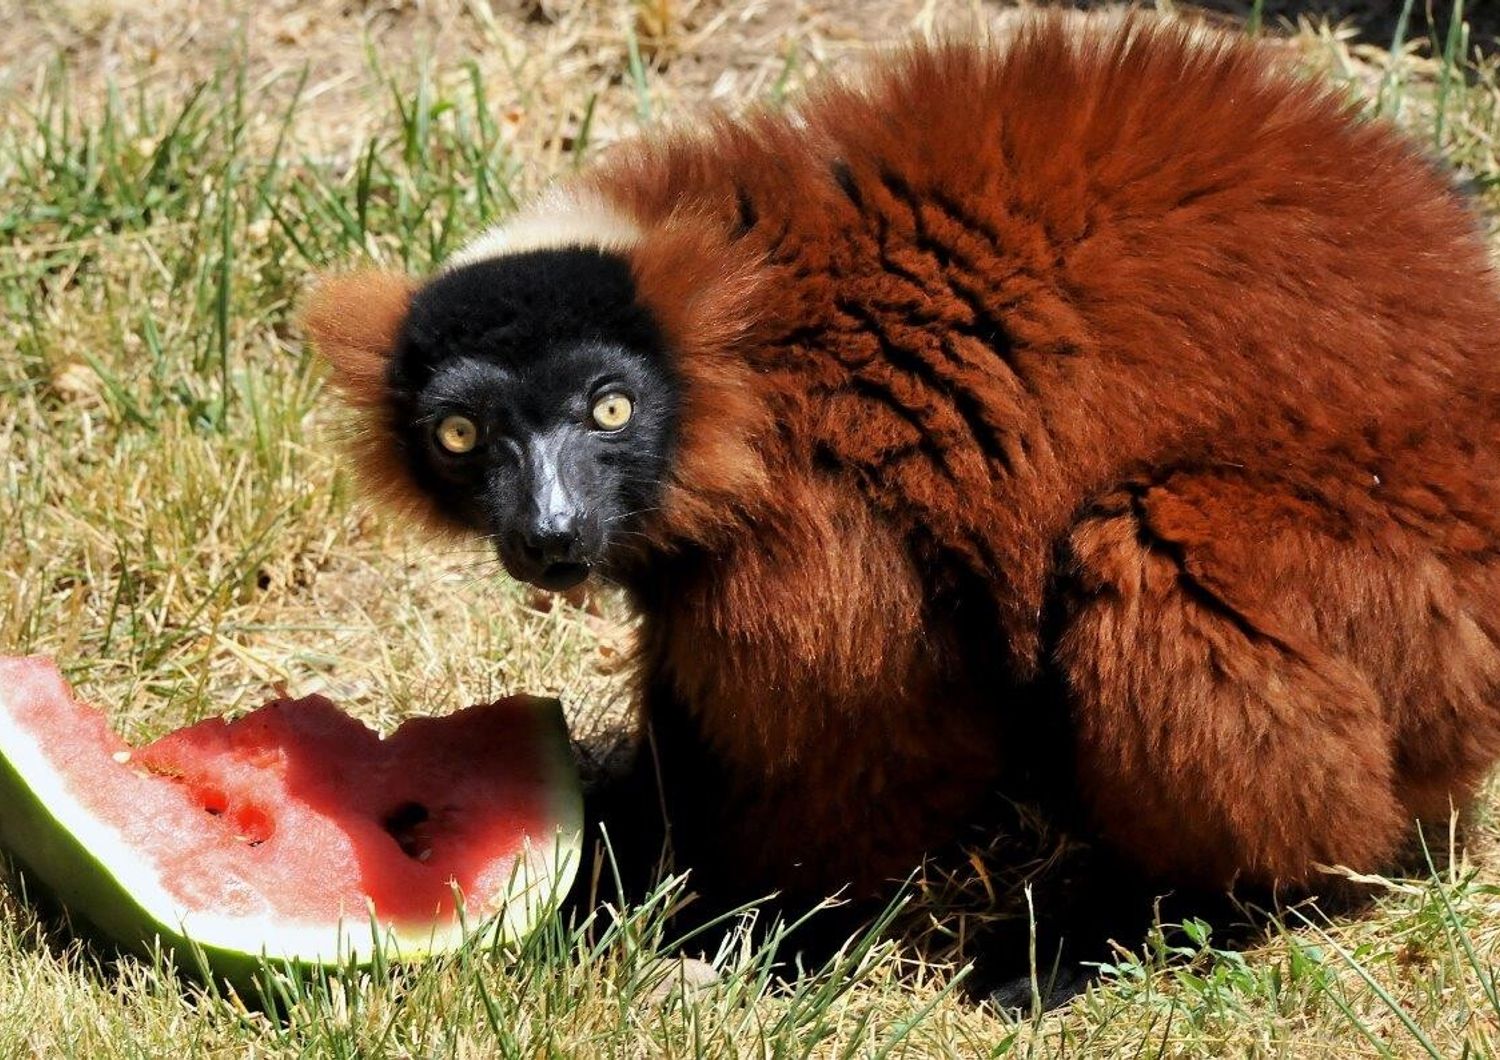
(612, 411)
(457, 434)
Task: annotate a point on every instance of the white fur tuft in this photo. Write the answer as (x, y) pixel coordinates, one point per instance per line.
(559, 218)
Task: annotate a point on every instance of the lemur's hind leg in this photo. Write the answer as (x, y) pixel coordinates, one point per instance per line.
(1218, 738)
(1210, 745)
(1239, 710)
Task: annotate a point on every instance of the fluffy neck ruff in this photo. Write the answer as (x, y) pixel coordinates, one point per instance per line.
(701, 291)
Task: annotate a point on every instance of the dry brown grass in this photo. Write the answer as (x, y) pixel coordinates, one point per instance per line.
(177, 527)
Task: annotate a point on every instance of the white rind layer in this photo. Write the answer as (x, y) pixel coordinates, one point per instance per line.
(557, 219)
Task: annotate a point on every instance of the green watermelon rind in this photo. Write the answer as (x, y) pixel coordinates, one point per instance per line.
(94, 874)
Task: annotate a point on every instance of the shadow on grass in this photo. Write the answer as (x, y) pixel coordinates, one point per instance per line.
(1033, 909)
(1375, 20)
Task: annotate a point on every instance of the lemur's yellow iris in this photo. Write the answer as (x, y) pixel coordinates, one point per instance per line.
(457, 434)
(612, 411)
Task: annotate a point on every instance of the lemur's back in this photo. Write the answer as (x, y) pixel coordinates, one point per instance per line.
(998, 281)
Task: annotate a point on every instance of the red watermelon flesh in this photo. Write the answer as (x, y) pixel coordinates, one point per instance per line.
(299, 816)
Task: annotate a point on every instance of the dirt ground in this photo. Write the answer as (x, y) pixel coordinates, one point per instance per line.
(697, 49)
(694, 50)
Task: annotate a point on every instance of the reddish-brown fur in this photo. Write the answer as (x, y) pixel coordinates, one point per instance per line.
(357, 317)
(1123, 364)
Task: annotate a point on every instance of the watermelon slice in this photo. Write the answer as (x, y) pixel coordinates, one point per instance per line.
(294, 832)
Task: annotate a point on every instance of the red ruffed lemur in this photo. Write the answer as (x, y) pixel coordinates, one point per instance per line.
(1104, 399)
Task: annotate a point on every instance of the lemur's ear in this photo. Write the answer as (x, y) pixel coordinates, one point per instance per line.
(353, 320)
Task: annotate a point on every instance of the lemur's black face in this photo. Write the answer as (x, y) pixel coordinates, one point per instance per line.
(538, 406)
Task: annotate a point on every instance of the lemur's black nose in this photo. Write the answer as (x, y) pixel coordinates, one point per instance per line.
(556, 540)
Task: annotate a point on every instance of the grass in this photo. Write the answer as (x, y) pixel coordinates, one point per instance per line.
(177, 528)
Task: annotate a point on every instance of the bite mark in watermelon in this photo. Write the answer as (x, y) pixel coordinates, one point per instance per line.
(283, 832)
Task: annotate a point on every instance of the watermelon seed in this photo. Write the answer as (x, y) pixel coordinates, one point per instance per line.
(252, 825)
(212, 800)
(121, 756)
